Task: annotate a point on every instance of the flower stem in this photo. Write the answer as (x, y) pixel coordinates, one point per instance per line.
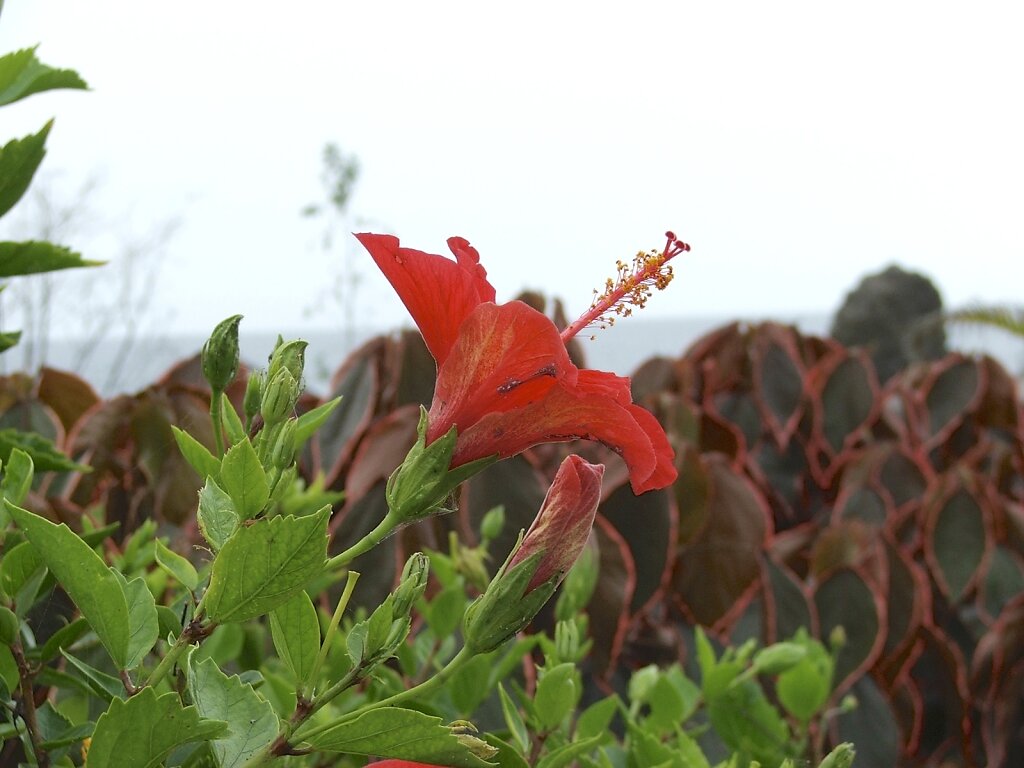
(365, 544)
(217, 417)
(427, 686)
(194, 631)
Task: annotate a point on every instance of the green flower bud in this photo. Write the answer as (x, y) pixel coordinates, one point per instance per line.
(290, 356)
(279, 397)
(219, 358)
(423, 482)
(412, 585)
(840, 757)
(493, 522)
(283, 453)
(253, 395)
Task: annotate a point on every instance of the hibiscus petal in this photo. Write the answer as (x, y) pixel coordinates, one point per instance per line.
(506, 356)
(569, 412)
(438, 292)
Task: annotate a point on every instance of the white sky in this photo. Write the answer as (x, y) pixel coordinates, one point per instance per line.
(796, 146)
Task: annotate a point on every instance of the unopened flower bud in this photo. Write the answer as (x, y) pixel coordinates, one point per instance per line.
(412, 585)
(288, 355)
(253, 395)
(419, 487)
(279, 397)
(283, 453)
(535, 568)
(840, 757)
(493, 522)
(219, 357)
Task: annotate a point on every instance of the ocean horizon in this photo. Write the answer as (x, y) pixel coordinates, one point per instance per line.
(621, 348)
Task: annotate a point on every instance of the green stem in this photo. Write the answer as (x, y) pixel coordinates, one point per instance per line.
(194, 631)
(217, 417)
(439, 679)
(365, 544)
(332, 629)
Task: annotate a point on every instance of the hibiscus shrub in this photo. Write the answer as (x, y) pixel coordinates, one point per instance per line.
(119, 650)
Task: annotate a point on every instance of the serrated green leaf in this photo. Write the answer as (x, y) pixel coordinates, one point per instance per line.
(17, 480)
(176, 565)
(34, 256)
(310, 421)
(143, 624)
(244, 479)
(507, 756)
(556, 694)
(142, 731)
(101, 684)
(217, 516)
(252, 724)
(295, 630)
(398, 733)
(196, 454)
(19, 160)
(90, 584)
(264, 564)
(22, 74)
(45, 456)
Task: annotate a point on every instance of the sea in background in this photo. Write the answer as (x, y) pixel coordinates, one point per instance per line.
(620, 348)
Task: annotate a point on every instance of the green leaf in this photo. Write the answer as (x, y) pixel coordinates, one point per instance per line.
(17, 480)
(596, 718)
(252, 724)
(468, 687)
(18, 163)
(565, 754)
(103, 685)
(33, 256)
(9, 626)
(90, 584)
(45, 456)
(399, 733)
(556, 694)
(196, 454)
(310, 421)
(9, 339)
(244, 479)
(296, 632)
(20, 566)
(232, 423)
(22, 74)
(143, 623)
(217, 516)
(514, 720)
(142, 731)
(176, 565)
(63, 638)
(264, 564)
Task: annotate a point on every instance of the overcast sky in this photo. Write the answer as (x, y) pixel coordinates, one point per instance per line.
(796, 146)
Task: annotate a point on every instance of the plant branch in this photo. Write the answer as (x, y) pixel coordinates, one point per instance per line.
(26, 679)
(365, 544)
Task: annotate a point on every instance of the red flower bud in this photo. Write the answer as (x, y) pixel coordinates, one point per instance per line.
(562, 526)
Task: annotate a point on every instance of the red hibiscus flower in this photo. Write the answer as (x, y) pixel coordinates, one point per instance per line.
(504, 377)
